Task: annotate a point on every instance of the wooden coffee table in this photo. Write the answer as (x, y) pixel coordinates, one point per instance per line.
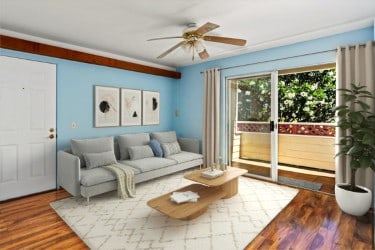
(228, 182)
(209, 190)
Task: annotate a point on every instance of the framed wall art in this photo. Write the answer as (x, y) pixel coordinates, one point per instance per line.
(107, 106)
(131, 107)
(151, 107)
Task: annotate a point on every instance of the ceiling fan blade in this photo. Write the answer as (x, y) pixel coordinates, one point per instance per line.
(162, 38)
(203, 55)
(171, 49)
(228, 40)
(206, 28)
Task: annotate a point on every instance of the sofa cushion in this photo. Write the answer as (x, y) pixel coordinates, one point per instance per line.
(90, 177)
(148, 164)
(170, 148)
(128, 140)
(140, 152)
(164, 137)
(96, 145)
(94, 160)
(156, 148)
(185, 157)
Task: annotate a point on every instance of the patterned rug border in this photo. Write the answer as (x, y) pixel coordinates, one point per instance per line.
(70, 210)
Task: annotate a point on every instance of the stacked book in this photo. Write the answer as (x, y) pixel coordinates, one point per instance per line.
(187, 196)
(212, 173)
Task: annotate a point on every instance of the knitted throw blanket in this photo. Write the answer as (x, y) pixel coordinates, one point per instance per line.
(125, 180)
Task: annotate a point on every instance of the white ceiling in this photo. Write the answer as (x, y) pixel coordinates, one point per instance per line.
(121, 27)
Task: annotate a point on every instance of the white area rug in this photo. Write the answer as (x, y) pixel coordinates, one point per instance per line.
(111, 223)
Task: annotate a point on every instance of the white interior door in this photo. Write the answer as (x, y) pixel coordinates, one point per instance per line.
(27, 127)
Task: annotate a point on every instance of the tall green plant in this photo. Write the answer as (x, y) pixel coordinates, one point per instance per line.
(358, 124)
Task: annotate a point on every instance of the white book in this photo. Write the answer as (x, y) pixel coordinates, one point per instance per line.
(211, 174)
(187, 196)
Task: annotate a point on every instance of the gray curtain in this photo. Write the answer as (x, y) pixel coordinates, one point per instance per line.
(211, 117)
(355, 64)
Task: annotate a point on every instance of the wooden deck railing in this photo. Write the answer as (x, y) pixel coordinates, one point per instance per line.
(309, 145)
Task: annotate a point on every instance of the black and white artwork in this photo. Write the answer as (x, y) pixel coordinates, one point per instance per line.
(131, 107)
(107, 106)
(151, 107)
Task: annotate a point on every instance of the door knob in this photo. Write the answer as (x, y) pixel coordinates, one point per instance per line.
(51, 136)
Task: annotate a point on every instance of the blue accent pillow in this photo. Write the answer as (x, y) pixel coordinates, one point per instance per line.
(156, 148)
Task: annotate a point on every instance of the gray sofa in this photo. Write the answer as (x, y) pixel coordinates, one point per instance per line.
(79, 170)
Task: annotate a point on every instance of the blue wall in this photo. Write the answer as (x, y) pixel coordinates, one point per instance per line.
(190, 87)
(75, 83)
(75, 92)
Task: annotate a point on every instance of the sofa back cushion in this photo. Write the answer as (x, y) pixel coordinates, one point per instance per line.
(129, 140)
(96, 145)
(164, 137)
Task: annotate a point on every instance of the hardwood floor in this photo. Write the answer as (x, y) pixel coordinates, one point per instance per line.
(314, 221)
(311, 221)
(30, 223)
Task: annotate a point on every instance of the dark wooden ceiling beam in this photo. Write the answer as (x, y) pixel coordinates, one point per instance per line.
(7, 42)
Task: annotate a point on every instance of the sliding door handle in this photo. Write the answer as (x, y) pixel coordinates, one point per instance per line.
(272, 126)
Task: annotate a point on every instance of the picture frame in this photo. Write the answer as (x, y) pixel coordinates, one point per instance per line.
(107, 106)
(150, 107)
(131, 107)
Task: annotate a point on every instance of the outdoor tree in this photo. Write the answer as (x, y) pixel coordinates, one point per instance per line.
(303, 97)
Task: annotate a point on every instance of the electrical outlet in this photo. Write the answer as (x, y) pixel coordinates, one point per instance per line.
(73, 125)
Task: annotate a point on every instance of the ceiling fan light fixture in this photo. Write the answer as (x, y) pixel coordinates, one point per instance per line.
(194, 40)
(199, 45)
(190, 27)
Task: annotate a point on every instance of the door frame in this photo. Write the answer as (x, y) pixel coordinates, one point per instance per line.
(274, 118)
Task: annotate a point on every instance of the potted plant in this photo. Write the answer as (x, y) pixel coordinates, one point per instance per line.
(357, 145)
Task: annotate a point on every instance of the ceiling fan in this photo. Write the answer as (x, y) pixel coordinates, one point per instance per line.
(193, 38)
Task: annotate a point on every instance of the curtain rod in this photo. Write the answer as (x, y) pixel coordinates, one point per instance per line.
(283, 58)
(274, 60)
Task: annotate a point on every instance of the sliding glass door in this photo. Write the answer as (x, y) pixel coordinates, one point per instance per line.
(253, 134)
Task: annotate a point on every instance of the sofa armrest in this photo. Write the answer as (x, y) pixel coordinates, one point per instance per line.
(68, 172)
(189, 144)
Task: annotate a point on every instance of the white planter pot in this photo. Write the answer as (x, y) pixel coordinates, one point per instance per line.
(352, 202)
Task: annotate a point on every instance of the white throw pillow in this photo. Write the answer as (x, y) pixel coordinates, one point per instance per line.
(94, 160)
(171, 148)
(140, 152)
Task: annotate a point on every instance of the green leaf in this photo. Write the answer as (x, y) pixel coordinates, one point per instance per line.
(344, 90)
(348, 97)
(356, 117)
(365, 92)
(363, 105)
(355, 149)
(368, 139)
(340, 107)
(355, 164)
(339, 153)
(365, 162)
(343, 112)
(357, 87)
(367, 96)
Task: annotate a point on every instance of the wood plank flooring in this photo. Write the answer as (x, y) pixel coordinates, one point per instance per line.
(30, 223)
(311, 221)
